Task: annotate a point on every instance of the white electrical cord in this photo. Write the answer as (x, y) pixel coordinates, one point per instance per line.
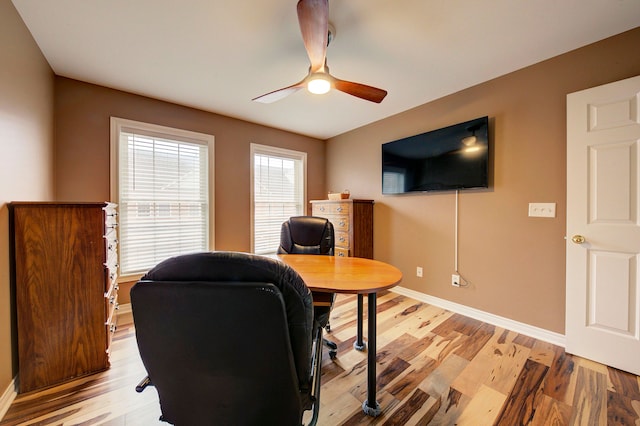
(455, 256)
(463, 282)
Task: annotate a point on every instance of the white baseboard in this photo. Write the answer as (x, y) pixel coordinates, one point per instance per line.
(509, 324)
(7, 397)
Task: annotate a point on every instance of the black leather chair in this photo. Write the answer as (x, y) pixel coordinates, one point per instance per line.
(307, 235)
(228, 338)
(311, 235)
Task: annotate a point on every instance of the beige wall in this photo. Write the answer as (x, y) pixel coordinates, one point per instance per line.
(515, 264)
(26, 149)
(82, 151)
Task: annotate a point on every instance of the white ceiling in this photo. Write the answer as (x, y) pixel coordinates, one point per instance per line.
(216, 55)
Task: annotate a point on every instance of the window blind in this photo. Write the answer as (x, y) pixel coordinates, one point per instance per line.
(163, 198)
(278, 194)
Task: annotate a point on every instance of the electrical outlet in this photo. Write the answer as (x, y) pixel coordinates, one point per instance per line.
(455, 280)
(419, 271)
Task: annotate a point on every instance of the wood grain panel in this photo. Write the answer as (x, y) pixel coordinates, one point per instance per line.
(476, 341)
(624, 383)
(59, 255)
(590, 398)
(408, 409)
(483, 408)
(512, 380)
(521, 403)
(550, 411)
(558, 380)
(419, 371)
(622, 410)
(363, 228)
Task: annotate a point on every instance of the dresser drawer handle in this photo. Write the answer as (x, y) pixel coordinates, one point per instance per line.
(321, 208)
(342, 223)
(342, 239)
(112, 300)
(112, 328)
(340, 254)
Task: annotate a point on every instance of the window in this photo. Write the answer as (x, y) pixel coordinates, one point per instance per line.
(279, 192)
(161, 181)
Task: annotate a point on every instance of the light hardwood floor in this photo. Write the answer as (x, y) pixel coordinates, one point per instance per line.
(434, 367)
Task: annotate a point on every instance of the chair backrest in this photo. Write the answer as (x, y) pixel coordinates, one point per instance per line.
(307, 235)
(225, 338)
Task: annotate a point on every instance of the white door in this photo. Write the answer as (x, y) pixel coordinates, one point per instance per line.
(603, 224)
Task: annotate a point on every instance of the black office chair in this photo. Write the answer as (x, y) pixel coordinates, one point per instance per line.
(228, 338)
(311, 235)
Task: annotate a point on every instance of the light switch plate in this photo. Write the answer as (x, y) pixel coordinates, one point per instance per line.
(542, 209)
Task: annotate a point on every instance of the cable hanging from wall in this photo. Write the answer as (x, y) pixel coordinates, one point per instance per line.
(463, 281)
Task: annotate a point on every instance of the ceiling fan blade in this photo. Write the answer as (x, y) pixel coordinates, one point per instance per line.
(362, 91)
(276, 95)
(313, 16)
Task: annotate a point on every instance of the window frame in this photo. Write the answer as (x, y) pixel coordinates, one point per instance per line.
(256, 148)
(116, 126)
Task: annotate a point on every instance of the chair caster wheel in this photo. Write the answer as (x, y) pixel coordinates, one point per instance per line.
(333, 355)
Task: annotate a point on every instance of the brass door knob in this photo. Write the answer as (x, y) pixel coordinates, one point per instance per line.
(578, 239)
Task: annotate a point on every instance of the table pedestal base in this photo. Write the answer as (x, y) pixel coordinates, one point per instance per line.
(371, 411)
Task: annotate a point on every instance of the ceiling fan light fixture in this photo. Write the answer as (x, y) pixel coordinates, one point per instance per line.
(317, 32)
(318, 85)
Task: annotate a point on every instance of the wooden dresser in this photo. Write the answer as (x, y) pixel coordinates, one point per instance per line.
(352, 223)
(64, 264)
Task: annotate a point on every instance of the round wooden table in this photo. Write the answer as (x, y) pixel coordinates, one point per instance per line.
(335, 274)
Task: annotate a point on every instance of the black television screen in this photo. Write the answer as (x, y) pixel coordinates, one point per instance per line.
(454, 157)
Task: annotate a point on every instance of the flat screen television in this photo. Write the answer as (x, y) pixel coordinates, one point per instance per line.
(451, 158)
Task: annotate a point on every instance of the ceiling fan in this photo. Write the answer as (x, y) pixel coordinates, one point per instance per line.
(313, 16)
